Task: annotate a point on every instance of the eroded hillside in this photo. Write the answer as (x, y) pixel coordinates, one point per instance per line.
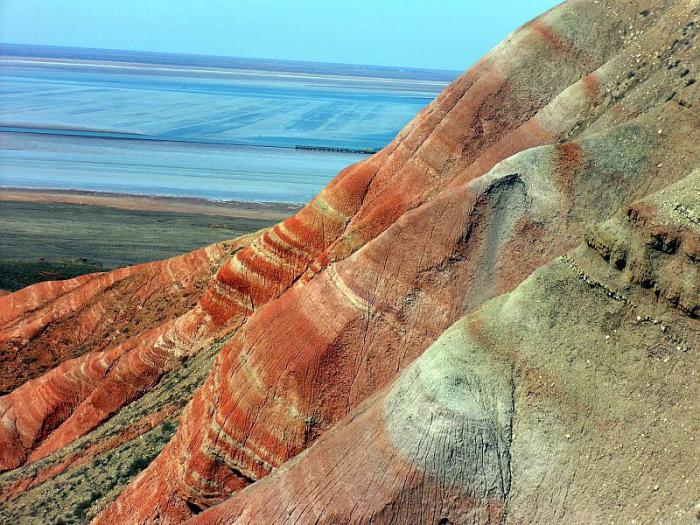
(423, 342)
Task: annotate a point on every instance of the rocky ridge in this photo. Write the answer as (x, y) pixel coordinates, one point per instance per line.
(385, 327)
(514, 413)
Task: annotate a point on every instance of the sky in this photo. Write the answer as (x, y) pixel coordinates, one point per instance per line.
(437, 34)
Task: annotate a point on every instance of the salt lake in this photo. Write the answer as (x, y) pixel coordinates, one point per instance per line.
(221, 131)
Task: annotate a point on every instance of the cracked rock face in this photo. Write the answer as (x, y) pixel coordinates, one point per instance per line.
(453, 331)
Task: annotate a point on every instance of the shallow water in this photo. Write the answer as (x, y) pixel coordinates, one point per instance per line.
(209, 171)
(64, 126)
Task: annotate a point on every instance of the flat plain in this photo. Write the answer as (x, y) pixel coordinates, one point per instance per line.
(49, 241)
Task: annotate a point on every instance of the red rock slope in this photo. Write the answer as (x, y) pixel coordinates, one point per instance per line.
(48, 323)
(515, 414)
(106, 320)
(577, 114)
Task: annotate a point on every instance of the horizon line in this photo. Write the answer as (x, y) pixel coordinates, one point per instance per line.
(171, 53)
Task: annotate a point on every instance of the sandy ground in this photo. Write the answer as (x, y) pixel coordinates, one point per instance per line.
(251, 210)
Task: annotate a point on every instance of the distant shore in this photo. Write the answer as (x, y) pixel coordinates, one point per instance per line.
(271, 211)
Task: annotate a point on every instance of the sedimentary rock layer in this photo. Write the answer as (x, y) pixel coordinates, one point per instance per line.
(87, 316)
(479, 230)
(578, 114)
(514, 413)
(45, 324)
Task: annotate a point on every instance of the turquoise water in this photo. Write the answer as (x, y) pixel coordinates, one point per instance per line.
(197, 131)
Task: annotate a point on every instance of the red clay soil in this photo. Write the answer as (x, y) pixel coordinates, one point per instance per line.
(501, 174)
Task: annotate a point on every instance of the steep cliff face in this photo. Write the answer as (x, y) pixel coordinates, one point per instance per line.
(577, 115)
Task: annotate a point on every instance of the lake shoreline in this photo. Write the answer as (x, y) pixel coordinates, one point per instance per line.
(273, 211)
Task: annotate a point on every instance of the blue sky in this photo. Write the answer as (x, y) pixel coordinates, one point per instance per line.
(442, 34)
